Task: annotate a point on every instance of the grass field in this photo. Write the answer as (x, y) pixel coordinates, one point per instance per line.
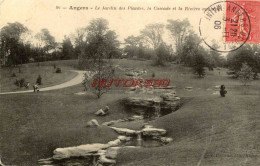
(30, 73)
(207, 130)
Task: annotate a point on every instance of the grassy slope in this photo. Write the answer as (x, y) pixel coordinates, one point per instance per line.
(228, 128)
(30, 72)
(32, 125)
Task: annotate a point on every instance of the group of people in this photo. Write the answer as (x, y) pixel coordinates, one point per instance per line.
(35, 86)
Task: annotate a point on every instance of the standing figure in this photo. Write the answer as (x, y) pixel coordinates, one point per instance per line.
(35, 88)
(27, 84)
(222, 91)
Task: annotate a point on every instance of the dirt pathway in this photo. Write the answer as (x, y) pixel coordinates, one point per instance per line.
(76, 80)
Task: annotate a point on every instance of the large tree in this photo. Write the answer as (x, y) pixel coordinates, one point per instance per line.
(67, 49)
(152, 34)
(132, 46)
(101, 44)
(45, 41)
(179, 30)
(247, 54)
(11, 44)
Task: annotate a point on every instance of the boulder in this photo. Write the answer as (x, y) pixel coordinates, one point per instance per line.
(92, 123)
(141, 101)
(77, 151)
(124, 131)
(151, 131)
(100, 112)
(124, 138)
(111, 153)
(106, 109)
(114, 143)
(45, 161)
(168, 96)
(104, 160)
(166, 140)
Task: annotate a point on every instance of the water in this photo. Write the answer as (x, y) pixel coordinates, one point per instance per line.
(145, 142)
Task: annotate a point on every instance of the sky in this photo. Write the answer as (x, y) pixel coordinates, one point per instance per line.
(38, 14)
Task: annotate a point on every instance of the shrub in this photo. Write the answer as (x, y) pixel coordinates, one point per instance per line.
(13, 75)
(39, 80)
(245, 74)
(153, 74)
(58, 70)
(20, 83)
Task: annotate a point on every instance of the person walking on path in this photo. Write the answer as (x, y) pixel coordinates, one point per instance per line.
(35, 88)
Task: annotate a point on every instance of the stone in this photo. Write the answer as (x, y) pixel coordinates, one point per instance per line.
(108, 123)
(124, 138)
(132, 88)
(151, 131)
(92, 123)
(77, 151)
(111, 153)
(104, 160)
(124, 131)
(166, 140)
(168, 96)
(45, 161)
(168, 87)
(106, 109)
(137, 117)
(114, 143)
(141, 101)
(100, 113)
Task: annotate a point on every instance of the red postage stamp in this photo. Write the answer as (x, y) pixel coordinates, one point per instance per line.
(253, 11)
(231, 24)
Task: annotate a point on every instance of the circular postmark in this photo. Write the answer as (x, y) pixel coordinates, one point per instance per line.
(225, 26)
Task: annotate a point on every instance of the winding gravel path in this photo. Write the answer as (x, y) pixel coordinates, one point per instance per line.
(76, 80)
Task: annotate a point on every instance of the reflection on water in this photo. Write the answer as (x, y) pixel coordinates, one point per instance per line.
(145, 142)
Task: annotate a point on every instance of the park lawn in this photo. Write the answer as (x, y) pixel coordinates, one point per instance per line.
(34, 124)
(30, 72)
(207, 130)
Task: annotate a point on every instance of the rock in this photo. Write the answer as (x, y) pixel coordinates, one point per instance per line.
(100, 113)
(132, 88)
(114, 143)
(106, 109)
(166, 140)
(45, 161)
(92, 123)
(141, 101)
(124, 138)
(108, 123)
(104, 160)
(169, 96)
(168, 87)
(111, 153)
(77, 151)
(124, 131)
(136, 117)
(151, 131)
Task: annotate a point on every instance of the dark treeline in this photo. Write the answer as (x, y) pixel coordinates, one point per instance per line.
(18, 46)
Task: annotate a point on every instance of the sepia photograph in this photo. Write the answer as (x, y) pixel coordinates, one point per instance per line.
(129, 83)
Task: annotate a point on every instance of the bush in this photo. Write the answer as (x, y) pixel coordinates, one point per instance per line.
(58, 70)
(20, 83)
(246, 74)
(39, 80)
(153, 74)
(13, 75)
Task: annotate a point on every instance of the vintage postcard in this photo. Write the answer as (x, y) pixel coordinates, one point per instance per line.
(129, 82)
